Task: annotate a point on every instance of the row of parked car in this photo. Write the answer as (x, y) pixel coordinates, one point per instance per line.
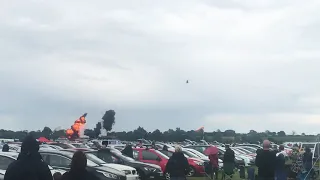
(110, 163)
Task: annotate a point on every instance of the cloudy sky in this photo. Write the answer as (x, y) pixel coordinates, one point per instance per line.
(251, 64)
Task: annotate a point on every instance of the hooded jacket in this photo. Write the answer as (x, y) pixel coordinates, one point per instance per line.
(5, 148)
(29, 165)
(78, 169)
(177, 165)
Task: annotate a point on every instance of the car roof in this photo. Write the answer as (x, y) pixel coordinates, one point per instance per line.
(64, 153)
(9, 154)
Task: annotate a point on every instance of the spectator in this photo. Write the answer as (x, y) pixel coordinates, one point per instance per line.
(177, 165)
(29, 165)
(78, 169)
(307, 159)
(228, 161)
(5, 148)
(214, 161)
(266, 161)
(280, 171)
(128, 151)
(57, 176)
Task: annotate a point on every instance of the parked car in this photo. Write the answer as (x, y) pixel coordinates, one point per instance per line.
(62, 145)
(6, 158)
(151, 156)
(239, 161)
(62, 160)
(131, 173)
(79, 145)
(145, 170)
(196, 164)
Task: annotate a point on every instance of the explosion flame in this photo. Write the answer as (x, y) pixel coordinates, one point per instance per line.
(74, 131)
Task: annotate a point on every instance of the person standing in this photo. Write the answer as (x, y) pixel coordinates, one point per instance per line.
(307, 160)
(280, 171)
(5, 148)
(29, 165)
(266, 161)
(78, 169)
(177, 165)
(228, 161)
(214, 161)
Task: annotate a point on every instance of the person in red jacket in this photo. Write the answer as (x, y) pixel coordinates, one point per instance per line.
(214, 161)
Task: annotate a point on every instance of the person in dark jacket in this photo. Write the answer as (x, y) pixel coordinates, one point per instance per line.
(29, 165)
(228, 161)
(177, 165)
(78, 169)
(165, 148)
(307, 159)
(128, 151)
(280, 169)
(266, 161)
(5, 148)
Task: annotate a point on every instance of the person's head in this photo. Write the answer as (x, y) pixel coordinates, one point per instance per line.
(308, 150)
(57, 176)
(281, 147)
(5, 148)
(178, 149)
(266, 145)
(227, 146)
(29, 145)
(79, 161)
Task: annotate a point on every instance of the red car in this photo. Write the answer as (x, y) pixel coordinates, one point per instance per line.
(196, 165)
(151, 156)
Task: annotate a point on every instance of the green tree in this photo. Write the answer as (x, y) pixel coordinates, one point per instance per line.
(47, 132)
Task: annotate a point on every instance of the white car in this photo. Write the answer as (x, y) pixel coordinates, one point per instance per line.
(6, 158)
(131, 173)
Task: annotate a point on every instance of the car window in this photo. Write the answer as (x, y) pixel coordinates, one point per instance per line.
(135, 154)
(147, 155)
(167, 153)
(59, 161)
(5, 162)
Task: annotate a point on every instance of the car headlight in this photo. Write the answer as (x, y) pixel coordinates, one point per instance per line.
(109, 175)
(199, 163)
(150, 169)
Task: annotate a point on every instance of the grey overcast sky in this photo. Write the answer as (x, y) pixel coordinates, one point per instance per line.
(251, 64)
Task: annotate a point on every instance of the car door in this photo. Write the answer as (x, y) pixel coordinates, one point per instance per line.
(58, 162)
(150, 157)
(5, 162)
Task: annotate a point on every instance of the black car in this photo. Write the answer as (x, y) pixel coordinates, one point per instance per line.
(145, 170)
(62, 160)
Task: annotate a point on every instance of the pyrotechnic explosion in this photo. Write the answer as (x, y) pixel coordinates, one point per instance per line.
(74, 131)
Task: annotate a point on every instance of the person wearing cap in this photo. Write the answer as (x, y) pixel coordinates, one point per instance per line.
(177, 165)
(29, 165)
(266, 161)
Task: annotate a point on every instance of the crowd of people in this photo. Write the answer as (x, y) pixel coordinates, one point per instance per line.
(271, 164)
(30, 165)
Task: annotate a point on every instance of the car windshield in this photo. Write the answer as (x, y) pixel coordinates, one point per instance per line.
(189, 154)
(95, 159)
(311, 146)
(79, 145)
(161, 154)
(121, 156)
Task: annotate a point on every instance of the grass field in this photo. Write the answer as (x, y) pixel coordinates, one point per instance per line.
(236, 176)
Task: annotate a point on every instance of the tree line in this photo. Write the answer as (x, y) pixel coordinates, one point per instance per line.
(171, 135)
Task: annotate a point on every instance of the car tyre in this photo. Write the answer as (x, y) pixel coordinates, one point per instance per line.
(167, 175)
(191, 172)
